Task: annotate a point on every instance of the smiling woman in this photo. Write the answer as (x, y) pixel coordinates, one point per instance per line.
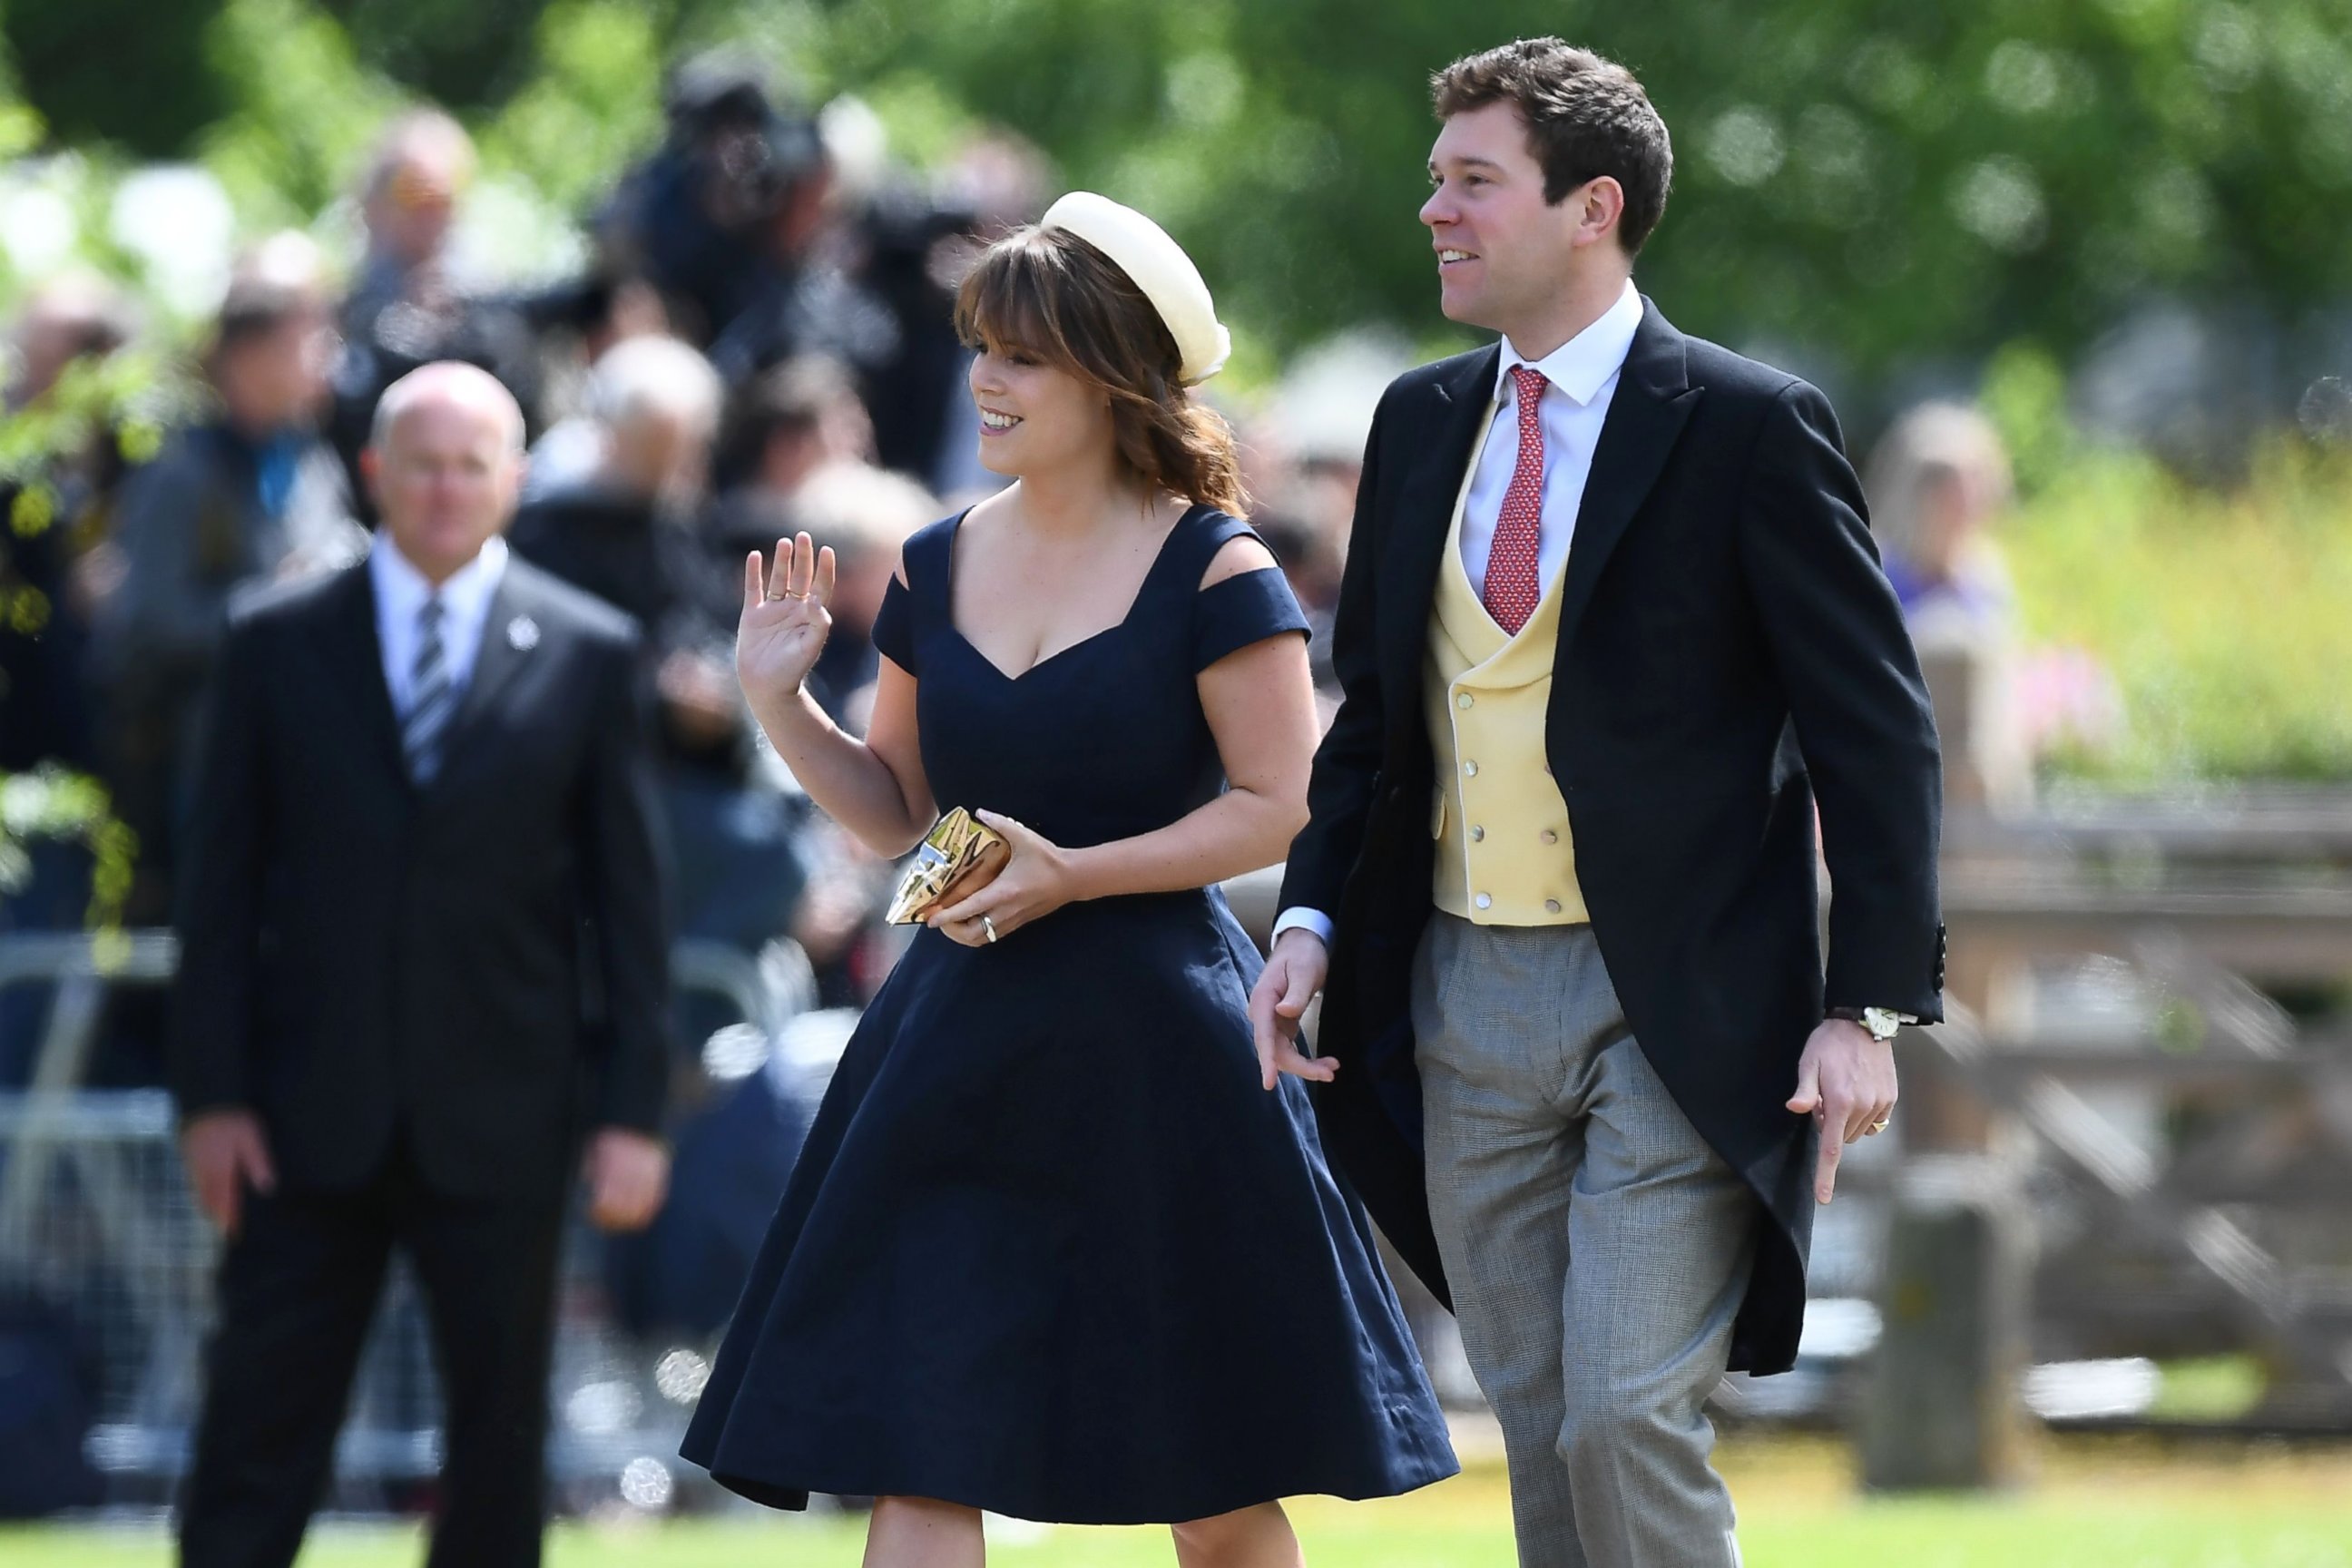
(1051, 299)
(1053, 1159)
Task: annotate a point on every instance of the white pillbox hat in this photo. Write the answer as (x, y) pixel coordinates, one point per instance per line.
(1158, 266)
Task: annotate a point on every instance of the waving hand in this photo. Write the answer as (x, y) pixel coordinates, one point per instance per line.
(785, 620)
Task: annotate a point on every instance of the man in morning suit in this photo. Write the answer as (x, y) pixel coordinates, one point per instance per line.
(1611, 623)
(421, 959)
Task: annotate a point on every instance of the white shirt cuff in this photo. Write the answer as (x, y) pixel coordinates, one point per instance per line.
(1304, 918)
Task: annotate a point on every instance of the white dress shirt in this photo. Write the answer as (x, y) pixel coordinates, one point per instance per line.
(1583, 375)
(401, 591)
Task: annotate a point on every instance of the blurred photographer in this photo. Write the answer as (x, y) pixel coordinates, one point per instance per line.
(730, 220)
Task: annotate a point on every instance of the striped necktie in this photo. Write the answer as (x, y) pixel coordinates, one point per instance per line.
(433, 697)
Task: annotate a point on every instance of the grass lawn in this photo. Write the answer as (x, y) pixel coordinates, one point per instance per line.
(2105, 1504)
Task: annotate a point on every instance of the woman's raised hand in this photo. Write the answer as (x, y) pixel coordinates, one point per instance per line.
(785, 619)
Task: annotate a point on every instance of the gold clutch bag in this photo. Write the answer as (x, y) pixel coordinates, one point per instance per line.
(956, 859)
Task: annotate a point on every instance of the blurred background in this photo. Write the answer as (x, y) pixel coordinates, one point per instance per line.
(2077, 273)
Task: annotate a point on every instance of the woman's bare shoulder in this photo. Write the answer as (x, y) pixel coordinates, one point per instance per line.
(1243, 552)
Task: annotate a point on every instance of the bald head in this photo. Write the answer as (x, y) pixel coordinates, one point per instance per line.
(470, 390)
(445, 462)
(421, 167)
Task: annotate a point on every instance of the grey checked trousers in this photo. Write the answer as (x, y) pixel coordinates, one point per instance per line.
(1598, 1248)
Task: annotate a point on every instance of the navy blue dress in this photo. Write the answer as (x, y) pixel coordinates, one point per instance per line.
(1050, 1250)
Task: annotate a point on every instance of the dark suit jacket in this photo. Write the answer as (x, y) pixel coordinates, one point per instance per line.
(1729, 650)
(480, 963)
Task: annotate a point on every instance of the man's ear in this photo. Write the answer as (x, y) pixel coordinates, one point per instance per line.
(372, 473)
(1600, 203)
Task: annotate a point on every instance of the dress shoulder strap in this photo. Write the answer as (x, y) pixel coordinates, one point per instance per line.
(1199, 534)
(929, 557)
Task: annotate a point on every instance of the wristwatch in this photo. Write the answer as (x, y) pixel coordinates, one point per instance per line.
(1882, 1021)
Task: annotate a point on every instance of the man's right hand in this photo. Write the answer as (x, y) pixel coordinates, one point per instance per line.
(226, 1152)
(1294, 974)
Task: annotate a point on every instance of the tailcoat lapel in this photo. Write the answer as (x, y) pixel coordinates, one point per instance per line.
(1652, 400)
(1424, 506)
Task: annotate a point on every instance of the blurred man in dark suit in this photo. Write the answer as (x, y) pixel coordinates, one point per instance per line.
(423, 954)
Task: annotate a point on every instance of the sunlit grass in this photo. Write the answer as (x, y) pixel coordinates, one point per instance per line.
(2109, 1504)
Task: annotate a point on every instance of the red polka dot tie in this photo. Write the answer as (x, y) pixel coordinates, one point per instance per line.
(1513, 585)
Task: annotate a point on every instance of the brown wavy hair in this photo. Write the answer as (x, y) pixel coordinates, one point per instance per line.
(1049, 294)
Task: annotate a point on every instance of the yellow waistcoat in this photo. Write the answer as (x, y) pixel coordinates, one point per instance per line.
(1505, 855)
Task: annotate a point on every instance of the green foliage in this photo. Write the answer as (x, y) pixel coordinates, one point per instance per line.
(306, 109)
(591, 105)
(2210, 1388)
(2219, 614)
(2024, 394)
(53, 804)
(1882, 180)
(128, 397)
(1879, 181)
(463, 54)
(126, 71)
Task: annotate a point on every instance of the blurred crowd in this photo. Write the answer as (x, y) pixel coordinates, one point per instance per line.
(762, 342)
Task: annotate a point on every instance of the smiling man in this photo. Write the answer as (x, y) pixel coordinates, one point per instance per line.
(1611, 624)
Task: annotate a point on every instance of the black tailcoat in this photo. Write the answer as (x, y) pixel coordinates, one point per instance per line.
(1730, 653)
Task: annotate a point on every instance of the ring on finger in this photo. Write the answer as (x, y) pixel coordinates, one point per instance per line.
(1881, 1124)
(988, 926)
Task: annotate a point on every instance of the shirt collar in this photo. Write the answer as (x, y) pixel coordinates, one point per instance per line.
(1581, 366)
(402, 589)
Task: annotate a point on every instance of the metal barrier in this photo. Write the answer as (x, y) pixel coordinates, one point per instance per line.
(97, 1220)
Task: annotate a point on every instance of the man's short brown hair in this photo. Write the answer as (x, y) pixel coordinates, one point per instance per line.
(1586, 117)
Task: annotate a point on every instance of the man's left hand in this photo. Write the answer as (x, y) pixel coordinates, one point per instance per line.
(628, 1175)
(1845, 1082)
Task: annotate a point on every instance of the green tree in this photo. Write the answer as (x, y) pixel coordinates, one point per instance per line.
(126, 71)
(1878, 180)
(1884, 179)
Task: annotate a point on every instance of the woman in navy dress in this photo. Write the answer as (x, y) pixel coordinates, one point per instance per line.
(1060, 1245)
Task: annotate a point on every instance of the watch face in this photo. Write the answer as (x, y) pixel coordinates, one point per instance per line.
(1882, 1021)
